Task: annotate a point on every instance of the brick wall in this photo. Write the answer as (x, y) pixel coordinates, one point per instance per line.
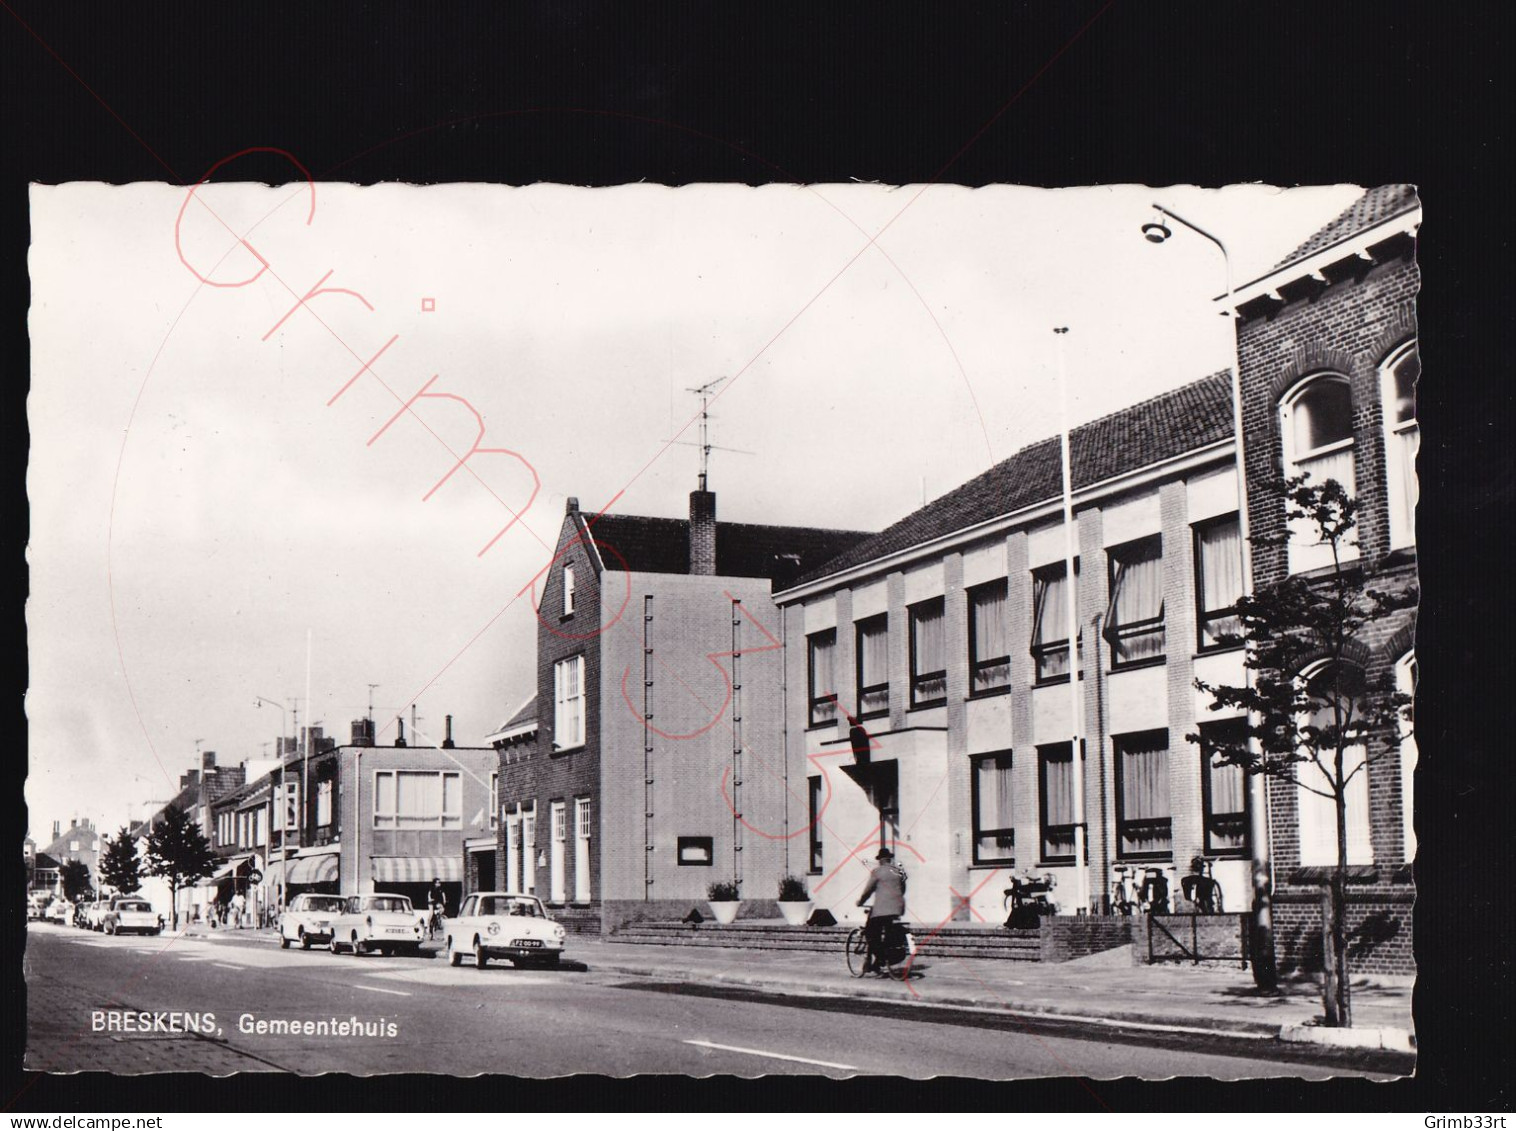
(1350, 327)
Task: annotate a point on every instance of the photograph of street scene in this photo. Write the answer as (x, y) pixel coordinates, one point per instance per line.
(828, 630)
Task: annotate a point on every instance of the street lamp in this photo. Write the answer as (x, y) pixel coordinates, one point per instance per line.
(1156, 231)
(284, 833)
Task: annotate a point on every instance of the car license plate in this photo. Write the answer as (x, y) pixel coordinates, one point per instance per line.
(396, 931)
(526, 942)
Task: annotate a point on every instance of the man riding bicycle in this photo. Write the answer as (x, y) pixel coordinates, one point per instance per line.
(887, 886)
(436, 905)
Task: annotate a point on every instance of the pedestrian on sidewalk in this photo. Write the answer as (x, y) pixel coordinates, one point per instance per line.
(239, 906)
(887, 886)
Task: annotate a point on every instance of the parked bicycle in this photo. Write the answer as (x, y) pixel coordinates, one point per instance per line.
(895, 962)
(1140, 889)
(1201, 889)
(1027, 901)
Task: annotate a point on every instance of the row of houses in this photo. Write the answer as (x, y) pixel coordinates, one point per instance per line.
(697, 681)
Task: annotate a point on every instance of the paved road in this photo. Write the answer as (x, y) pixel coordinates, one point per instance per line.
(428, 1017)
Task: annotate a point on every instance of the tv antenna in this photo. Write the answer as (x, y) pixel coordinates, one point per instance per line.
(705, 392)
(370, 715)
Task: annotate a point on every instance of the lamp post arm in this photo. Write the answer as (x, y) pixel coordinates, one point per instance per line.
(1199, 231)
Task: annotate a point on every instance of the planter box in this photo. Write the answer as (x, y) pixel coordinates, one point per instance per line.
(796, 911)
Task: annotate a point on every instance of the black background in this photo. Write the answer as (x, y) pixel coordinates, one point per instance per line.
(1050, 94)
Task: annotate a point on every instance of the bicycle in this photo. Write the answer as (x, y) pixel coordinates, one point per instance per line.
(1149, 893)
(899, 949)
(435, 923)
(1027, 902)
(1201, 889)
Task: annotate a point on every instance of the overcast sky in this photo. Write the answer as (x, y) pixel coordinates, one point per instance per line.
(197, 507)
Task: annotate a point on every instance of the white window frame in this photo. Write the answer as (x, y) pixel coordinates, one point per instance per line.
(568, 703)
(557, 851)
(1316, 815)
(582, 836)
(568, 590)
(447, 817)
(1307, 555)
(495, 799)
(325, 795)
(1405, 681)
(1401, 487)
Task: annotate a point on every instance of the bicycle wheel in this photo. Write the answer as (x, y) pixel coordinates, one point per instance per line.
(857, 952)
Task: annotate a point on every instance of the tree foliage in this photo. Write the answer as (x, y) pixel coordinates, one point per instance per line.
(120, 865)
(74, 876)
(1314, 719)
(179, 853)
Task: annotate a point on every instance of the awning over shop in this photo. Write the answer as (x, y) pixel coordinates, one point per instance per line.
(313, 869)
(233, 865)
(417, 869)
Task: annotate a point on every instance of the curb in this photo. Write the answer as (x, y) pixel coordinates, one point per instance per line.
(1245, 1030)
(1393, 1040)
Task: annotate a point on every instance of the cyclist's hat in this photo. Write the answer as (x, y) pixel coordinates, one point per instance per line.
(885, 854)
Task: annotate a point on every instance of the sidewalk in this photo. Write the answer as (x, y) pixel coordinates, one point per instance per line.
(1106, 988)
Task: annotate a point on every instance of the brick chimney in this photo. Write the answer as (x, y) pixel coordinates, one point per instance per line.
(207, 761)
(57, 829)
(703, 533)
(363, 732)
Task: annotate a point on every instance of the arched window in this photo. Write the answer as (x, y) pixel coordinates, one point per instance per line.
(1317, 809)
(1402, 437)
(1405, 681)
(1316, 423)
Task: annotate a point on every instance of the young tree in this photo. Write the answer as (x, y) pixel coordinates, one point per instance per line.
(120, 866)
(178, 852)
(1314, 719)
(74, 876)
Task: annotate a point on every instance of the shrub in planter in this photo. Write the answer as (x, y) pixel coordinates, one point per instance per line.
(794, 900)
(724, 901)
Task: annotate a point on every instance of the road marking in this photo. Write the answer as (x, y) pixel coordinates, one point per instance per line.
(773, 1055)
(382, 990)
(226, 966)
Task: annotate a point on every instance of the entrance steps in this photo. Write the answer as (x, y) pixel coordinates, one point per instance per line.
(952, 941)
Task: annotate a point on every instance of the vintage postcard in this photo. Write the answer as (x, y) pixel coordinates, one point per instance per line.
(832, 630)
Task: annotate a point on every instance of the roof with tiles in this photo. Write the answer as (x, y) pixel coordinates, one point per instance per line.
(662, 545)
(1155, 430)
(525, 715)
(1373, 207)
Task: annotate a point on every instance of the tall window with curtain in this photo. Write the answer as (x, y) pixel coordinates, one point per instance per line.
(1050, 634)
(1318, 810)
(1316, 424)
(1134, 618)
(989, 639)
(1056, 800)
(1218, 582)
(1401, 440)
(568, 705)
(1223, 790)
(822, 652)
(928, 654)
(813, 807)
(873, 667)
(994, 831)
(1144, 810)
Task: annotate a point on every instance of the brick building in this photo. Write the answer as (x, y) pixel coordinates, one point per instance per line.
(946, 636)
(199, 789)
(388, 818)
(1328, 359)
(628, 781)
(79, 842)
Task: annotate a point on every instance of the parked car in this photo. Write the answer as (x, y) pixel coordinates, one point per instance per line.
(59, 911)
(94, 914)
(308, 920)
(80, 917)
(131, 913)
(497, 924)
(386, 923)
(36, 905)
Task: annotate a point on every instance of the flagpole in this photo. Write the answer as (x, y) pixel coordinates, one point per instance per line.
(1076, 706)
(305, 743)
